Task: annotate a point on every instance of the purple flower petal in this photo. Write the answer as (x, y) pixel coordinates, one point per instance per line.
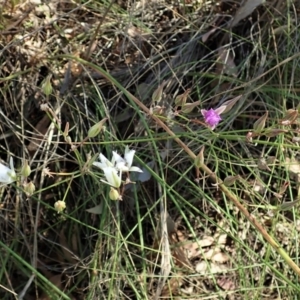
(211, 117)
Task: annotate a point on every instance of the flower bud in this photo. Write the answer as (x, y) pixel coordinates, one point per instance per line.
(47, 86)
(249, 137)
(29, 189)
(229, 104)
(274, 132)
(230, 180)
(188, 107)
(95, 129)
(260, 124)
(290, 116)
(114, 194)
(25, 172)
(158, 93)
(59, 206)
(199, 160)
(180, 100)
(68, 139)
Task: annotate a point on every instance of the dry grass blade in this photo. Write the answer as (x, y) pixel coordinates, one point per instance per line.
(165, 253)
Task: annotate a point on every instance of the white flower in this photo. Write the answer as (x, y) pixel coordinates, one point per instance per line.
(125, 164)
(113, 169)
(7, 175)
(117, 162)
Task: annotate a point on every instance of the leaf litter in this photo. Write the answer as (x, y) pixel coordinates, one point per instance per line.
(209, 254)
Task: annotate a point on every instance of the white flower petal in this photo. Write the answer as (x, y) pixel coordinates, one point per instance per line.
(112, 176)
(122, 166)
(105, 161)
(117, 158)
(129, 154)
(7, 175)
(99, 165)
(135, 169)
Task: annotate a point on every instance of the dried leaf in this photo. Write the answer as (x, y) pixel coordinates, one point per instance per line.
(172, 287)
(206, 241)
(287, 205)
(41, 129)
(293, 165)
(220, 257)
(226, 284)
(192, 249)
(245, 10)
(204, 268)
(55, 280)
(206, 35)
(146, 175)
(142, 91)
(222, 239)
(283, 187)
(225, 63)
(296, 139)
(68, 254)
(216, 255)
(97, 210)
(180, 258)
(263, 165)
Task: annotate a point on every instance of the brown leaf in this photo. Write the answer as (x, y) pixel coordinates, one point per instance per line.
(220, 257)
(226, 284)
(245, 10)
(171, 289)
(225, 63)
(68, 255)
(40, 130)
(216, 255)
(205, 267)
(180, 258)
(206, 35)
(55, 280)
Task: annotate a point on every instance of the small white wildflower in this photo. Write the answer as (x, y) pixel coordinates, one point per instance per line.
(113, 169)
(125, 164)
(7, 175)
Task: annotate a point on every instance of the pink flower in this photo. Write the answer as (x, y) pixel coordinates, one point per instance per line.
(211, 117)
